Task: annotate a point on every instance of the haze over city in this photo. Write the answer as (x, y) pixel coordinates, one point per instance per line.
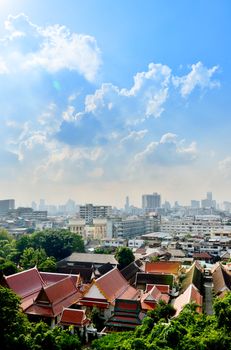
(100, 100)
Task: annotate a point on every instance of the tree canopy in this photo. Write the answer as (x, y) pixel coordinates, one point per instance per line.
(57, 243)
(17, 333)
(188, 331)
(124, 256)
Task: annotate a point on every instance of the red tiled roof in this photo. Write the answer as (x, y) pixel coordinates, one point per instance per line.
(166, 267)
(74, 317)
(191, 294)
(56, 292)
(25, 283)
(163, 288)
(113, 285)
(51, 278)
(203, 255)
(150, 299)
(54, 298)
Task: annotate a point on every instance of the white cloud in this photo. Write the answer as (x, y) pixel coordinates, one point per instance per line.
(200, 76)
(3, 67)
(169, 151)
(225, 167)
(134, 136)
(53, 48)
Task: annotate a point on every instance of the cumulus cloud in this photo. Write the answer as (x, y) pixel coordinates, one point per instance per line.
(225, 167)
(168, 151)
(199, 76)
(62, 129)
(52, 48)
(3, 67)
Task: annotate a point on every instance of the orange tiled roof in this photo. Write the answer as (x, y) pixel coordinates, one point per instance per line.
(167, 267)
(51, 277)
(113, 285)
(150, 299)
(74, 317)
(191, 294)
(25, 283)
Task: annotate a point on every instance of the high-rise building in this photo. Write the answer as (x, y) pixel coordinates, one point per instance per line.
(90, 212)
(195, 204)
(208, 202)
(6, 205)
(127, 205)
(151, 201)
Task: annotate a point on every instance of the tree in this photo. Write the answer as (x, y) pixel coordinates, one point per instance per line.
(57, 243)
(32, 257)
(222, 310)
(124, 256)
(4, 235)
(48, 265)
(13, 322)
(7, 267)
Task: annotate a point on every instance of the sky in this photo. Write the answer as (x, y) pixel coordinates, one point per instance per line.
(103, 99)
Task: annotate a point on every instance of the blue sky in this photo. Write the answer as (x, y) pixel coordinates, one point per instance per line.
(103, 99)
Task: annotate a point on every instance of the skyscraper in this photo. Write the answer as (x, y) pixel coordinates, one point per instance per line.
(150, 202)
(6, 205)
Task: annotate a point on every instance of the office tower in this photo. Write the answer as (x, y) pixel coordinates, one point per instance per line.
(195, 204)
(6, 205)
(90, 212)
(150, 202)
(209, 196)
(126, 207)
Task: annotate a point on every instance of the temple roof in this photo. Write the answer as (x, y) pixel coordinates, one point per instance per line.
(53, 298)
(191, 294)
(167, 267)
(74, 317)
(221, 279)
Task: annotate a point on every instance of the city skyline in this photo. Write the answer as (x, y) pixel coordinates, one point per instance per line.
(96, 107)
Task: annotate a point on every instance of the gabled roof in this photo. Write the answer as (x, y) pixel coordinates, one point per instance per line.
(74, 317)
(127, 314)
(151, 298)
(163, 288)
(191, 294)
(129, 272)
(90, 258)
(167, 267)
(112, 285)
(26, 284)
(51, 277)
(203, 255)
(193, 276)
(142, 279)
(53, 298)
(221, 279)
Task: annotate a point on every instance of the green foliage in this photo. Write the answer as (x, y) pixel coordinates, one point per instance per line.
(5, 236)
(12, 321)
(57, 243)
(188, 331)
(17, 333)
(32, 257)
(222, 309)
(96, 319)
(48, 265)
(103, 250)
(7, 267)
(124, 256)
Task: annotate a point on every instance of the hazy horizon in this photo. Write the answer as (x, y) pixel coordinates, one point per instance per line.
(100, 100)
